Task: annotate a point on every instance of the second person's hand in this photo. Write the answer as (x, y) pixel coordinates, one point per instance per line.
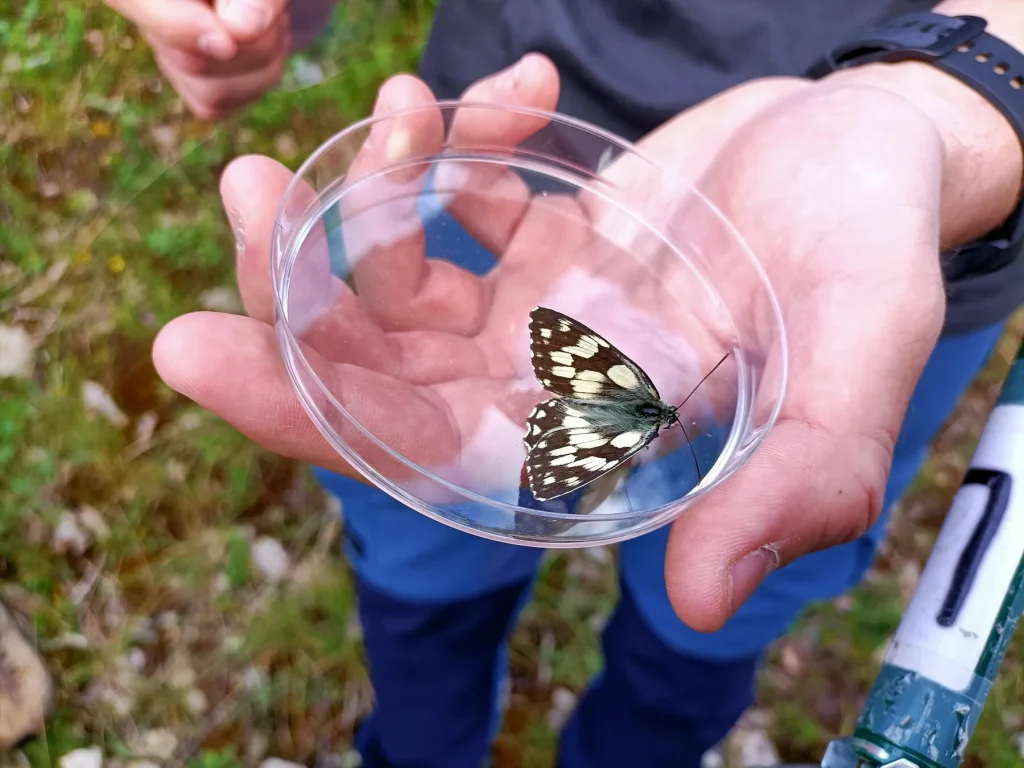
(219, 58)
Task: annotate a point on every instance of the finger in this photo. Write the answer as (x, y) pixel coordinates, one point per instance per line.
(190, 25)
(488, 199)
(252, 188)
(383, 232)
(320, 310)
(231, 365)
(266, 49)
(213, 98)
(248, 19)
(792, 498)
(530, 82)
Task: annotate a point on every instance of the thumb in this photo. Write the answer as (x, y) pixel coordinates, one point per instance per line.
(188, 25)
(806, 488)
(247, 19)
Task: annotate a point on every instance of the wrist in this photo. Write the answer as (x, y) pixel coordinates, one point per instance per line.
(983, 160)
(982, 163)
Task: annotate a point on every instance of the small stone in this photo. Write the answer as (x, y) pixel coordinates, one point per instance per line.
(182, 675)
(49, 189)
(68, 536)
(311, 571)
(270, 558)
(712, 759)
(94, 523)
(165, 136)
(196, 702)
(256, 746)
(176, 471)
(286, 146)
(563, 701)
(791, 661)
(137, 659)
(144, 428)
(167, 619)
(599, 555)
(116, 687)
(98, 400)
(252, 679)
(94, 38)
(83, 758)
(843, 604)
(276, 762)
(16, 352)
(189, 420)
(26, 688)
(159, 744)
(753, 749)
(221, 584)
(221, 300)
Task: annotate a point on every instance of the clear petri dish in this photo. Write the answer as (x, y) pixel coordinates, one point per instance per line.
(411, 254)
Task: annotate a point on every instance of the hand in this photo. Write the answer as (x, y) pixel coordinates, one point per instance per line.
(220, 58)
(424, 342)
(855, 266)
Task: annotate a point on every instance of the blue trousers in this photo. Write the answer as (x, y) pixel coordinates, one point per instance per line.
(437, 606)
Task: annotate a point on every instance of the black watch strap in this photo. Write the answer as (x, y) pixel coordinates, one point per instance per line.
(959, 46)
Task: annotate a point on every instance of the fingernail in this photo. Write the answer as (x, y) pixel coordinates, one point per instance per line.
(510, 79)
(750, 571)
(216, 44)
(252, 16)
(235, 218)
(399, 144)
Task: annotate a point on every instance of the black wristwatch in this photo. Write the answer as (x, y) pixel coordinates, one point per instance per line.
(959, 46)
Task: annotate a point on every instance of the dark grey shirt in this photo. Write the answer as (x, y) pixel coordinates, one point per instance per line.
(630, 65)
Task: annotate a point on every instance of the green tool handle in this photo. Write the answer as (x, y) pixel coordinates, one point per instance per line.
(946, 653)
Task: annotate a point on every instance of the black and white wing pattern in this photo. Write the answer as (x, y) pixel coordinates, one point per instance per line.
(573, 361)
(578, 446)
(608, 408)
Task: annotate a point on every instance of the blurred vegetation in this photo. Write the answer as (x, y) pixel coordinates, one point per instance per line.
(156, 618)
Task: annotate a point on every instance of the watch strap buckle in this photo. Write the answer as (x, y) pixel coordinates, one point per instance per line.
(904, 38)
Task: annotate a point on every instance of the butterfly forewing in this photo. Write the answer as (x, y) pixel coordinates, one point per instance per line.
(573, 361)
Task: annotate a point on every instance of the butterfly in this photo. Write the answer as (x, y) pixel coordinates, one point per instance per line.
(606, 411)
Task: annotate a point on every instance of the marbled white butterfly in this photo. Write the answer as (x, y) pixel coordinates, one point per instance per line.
(607, 408)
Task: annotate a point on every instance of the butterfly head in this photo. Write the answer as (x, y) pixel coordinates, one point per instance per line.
(662, 413)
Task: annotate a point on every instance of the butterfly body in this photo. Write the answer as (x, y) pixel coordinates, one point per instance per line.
(606, 411)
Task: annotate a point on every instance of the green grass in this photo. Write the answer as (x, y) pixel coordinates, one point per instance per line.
(110, 225)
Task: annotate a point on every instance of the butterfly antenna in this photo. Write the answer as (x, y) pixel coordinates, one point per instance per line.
(702, 381)
(696, 463)
(679, 421)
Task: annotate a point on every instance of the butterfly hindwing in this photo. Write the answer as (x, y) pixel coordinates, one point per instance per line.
(542, 419)
(572, 443)
(571, 360)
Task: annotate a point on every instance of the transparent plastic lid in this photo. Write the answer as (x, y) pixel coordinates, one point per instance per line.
(516, 324)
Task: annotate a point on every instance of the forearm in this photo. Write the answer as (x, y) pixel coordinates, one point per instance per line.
(983, 159)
